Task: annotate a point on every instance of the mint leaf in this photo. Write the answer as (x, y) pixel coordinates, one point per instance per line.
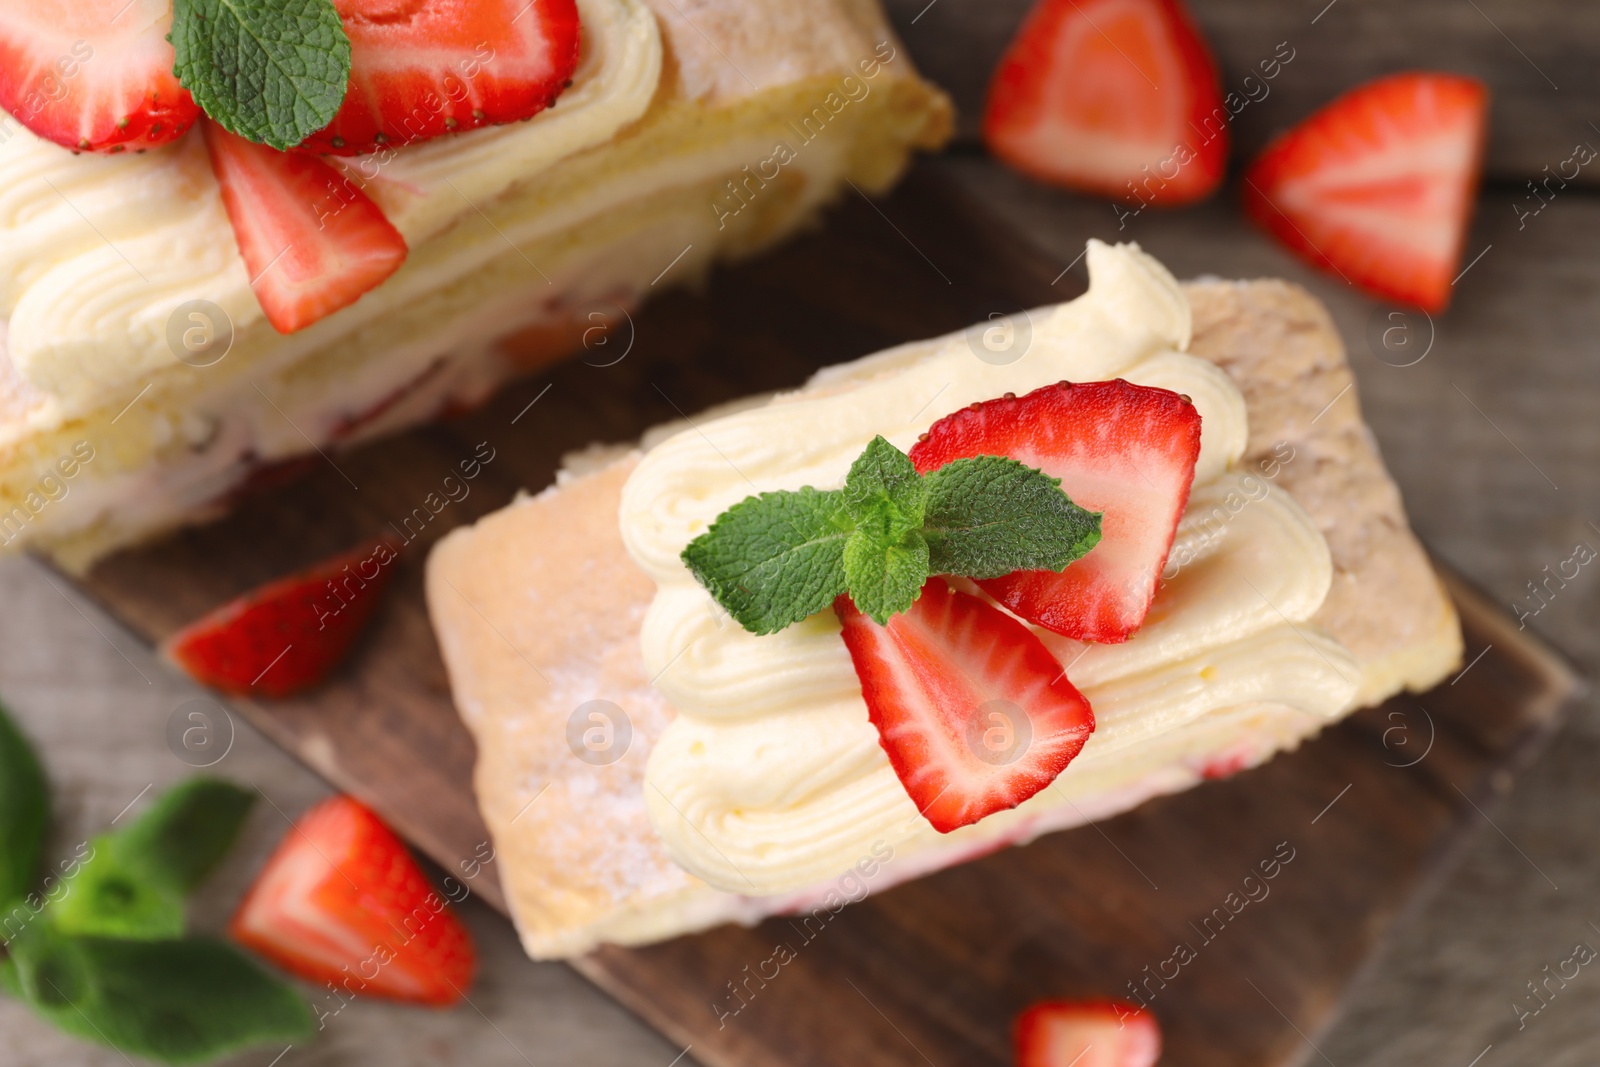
(188, 830)
(988, 516)
(271, 71)
(884, 485)
(774, 559)
(136, 881)
(885, 576)
(24, 810)
(179, 1001)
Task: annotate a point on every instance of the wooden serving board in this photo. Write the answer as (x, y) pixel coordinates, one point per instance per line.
(934, 971)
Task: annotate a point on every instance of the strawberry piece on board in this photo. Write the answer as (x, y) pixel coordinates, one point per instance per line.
(289, 634)
(975, 714)
(342, 901)
(1127, 451)
(1118, 98)
(1087, 1033)
(311, 239)
(1377, 187)
(422, 69)
(93, 75)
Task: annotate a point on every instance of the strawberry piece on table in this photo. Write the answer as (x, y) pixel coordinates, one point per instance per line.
(342, 901)
(1087, 1033)
(289, 634)
(1377, 187)
(1127, 451)
(975, 714)
(420, 70)
(1114, 97)
(93, 75)
(311, 239)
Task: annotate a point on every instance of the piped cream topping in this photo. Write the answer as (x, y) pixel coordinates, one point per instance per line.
(772, 778)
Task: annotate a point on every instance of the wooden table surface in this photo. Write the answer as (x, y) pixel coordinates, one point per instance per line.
(1493, 437)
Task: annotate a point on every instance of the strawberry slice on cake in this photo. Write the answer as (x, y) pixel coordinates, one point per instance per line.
(311, 239)
(421, 70)
(93, 75)
(1118, 98)
(1127, 451)
(973, 711)
(1377, 187)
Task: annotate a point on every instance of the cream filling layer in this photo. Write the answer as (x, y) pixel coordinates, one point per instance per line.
(771, 779)
(99, 251)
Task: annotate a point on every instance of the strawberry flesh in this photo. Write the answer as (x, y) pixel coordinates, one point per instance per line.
(1127, 451)
(1377, 187)
(289, 634)
(423, 68)
(342, 901)
(311, 239)
(1118, 98)
(93, 75)
(975, 714)
(1086, 1033)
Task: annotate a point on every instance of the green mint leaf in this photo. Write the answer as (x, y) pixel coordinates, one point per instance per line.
(271, 71)
(883, 485)
(183, 835)
(10, 983)
(178, 1001)
(113, 896)
(136, 880)
(24, 810)
(774, 559)
(885, 576)
(988, 516)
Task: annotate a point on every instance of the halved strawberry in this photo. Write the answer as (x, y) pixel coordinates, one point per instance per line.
(342, 901)
(93, 75)
(1114, 97)
(1087, 1033)
(312, 241)
(1378, 185)
(1127, 451)
(422, 68)
(287, 635)
(974, 712)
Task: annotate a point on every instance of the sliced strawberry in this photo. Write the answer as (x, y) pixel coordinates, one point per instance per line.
(1127, 451)
(312, 241)
(422, 68)
(1114, 97)
(974, 712)
(1087, 1033)
(342, 901)
(287, 635)
(93, 75)
(1378, 185)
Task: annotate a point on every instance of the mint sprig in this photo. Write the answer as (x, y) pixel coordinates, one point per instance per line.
(271, 71)
(101, 954)
(774, 559)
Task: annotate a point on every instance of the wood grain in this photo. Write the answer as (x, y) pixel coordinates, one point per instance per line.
(1536, 56)
(933, 970)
